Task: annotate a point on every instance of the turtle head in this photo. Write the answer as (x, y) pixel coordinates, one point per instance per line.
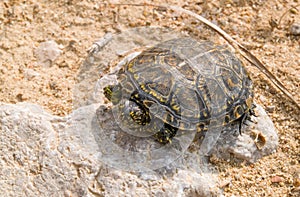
(113, 93)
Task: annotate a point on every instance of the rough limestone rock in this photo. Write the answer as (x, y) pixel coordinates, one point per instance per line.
(45, 155)
(258, 139)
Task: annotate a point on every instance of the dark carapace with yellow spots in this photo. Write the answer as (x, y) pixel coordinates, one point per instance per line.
(182, 84)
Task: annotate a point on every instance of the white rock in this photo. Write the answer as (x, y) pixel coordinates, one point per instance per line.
(47, 53)
(257, 140)
(295, 29)
(30, 73)
(45, 155)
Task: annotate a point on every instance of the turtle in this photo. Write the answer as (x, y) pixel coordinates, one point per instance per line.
(182, 84)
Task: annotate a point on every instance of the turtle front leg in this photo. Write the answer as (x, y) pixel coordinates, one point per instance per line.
(166, 133)
(140, 115)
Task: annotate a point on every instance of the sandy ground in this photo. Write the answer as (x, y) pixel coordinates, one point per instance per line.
(74, 25)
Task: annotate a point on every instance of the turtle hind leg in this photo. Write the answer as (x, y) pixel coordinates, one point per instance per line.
(247, 117)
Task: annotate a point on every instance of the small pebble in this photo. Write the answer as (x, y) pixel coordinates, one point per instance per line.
(30, 73)
(293, 11)
(237, 177)
(295, 29)
(276, 179)
(47, 52)
(225, 183)
(270, 108)
(296, 179)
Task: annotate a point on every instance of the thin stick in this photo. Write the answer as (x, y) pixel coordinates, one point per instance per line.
(285, 13)
(244, 52)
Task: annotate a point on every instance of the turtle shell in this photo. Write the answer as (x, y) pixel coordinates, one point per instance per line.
(185, 83)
